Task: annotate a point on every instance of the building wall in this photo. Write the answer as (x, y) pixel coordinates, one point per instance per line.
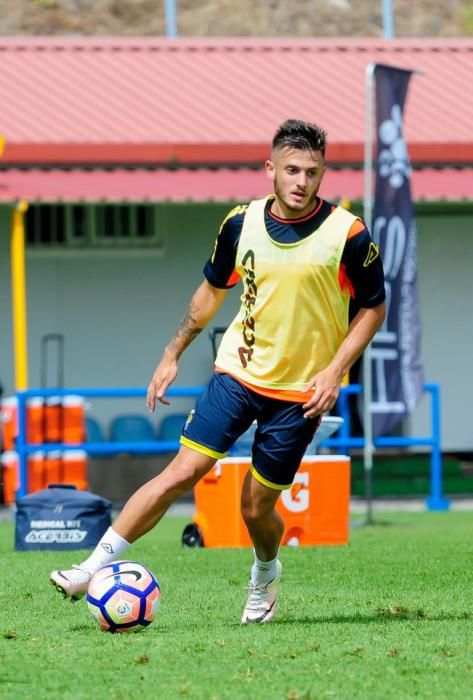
(6, 358)
(117, 310)
(445, 284)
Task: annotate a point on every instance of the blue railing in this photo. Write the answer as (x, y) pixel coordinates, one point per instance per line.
(342, 443)
(97, 448)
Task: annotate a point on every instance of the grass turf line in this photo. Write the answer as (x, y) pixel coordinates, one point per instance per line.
(388, 616)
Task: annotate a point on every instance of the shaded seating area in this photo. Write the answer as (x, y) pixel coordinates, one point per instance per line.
(133, 427)
(94, 433)
(171, 426)
(93, 430)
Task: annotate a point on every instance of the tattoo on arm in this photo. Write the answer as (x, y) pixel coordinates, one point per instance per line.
(187, 331)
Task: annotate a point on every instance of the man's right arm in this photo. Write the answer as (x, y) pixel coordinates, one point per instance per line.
(219, 273)
(220, 267)
(204, 304)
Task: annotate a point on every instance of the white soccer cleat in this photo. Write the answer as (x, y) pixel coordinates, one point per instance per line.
(72, 583)
(262, 600)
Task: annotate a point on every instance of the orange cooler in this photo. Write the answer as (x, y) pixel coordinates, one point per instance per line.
(315, 510)
(217, 504)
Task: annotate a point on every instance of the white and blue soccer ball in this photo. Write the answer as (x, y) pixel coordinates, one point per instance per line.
(123, 596)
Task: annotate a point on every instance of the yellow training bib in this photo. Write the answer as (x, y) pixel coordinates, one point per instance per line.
(293, 314)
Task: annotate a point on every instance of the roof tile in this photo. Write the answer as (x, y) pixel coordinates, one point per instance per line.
(219, 100)
(201, 185)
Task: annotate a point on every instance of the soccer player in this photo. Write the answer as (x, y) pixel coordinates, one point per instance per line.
(281, 361)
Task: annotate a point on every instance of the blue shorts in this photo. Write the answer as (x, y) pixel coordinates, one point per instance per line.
(226, 410)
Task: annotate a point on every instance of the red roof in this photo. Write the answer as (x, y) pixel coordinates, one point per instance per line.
(194, 101)
(204, 185)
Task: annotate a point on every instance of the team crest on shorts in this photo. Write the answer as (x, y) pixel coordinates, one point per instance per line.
(189, 419)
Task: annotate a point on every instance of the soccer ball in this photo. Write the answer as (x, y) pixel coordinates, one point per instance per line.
(123, 597)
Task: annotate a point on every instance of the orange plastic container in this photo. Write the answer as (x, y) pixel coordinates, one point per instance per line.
(44, 468)
(64, 419)
(36, 466)
(8, 415)
(73, 419)
(10, 480)
(34, 421)
(53, 419)
(75, 466)
(315, 510)
(53, 468)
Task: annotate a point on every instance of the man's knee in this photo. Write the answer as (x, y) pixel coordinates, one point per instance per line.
(258, 501)
(255, 510)
(187, 468)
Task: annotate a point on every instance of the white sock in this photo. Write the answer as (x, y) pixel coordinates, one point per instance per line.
(108, 549)
(262, 572)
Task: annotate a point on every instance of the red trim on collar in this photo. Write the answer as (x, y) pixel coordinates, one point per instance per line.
(297, 221)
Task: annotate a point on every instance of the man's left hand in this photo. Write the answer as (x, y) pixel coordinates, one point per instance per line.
(325, 387)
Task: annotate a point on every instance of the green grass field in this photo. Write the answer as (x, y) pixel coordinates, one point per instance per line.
(388, 616)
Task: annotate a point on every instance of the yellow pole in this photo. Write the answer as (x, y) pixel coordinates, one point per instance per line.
(20, 350)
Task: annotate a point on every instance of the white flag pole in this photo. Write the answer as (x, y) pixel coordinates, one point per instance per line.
(368, 447)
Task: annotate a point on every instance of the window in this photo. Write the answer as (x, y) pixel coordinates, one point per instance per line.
(94, 225)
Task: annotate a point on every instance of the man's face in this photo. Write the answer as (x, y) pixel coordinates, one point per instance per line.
(296, 175)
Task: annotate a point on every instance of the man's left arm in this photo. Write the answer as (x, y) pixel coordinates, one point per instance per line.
(363, 270)
(326, 384)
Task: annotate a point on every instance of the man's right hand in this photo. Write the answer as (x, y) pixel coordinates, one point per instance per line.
(164, 375)
(204, 304)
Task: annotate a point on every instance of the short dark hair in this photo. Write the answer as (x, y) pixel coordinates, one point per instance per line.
(300, 135)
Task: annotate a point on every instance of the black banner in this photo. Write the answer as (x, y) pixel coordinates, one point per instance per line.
(397, 374)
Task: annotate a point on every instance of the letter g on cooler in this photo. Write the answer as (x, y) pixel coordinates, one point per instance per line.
(296, 499)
